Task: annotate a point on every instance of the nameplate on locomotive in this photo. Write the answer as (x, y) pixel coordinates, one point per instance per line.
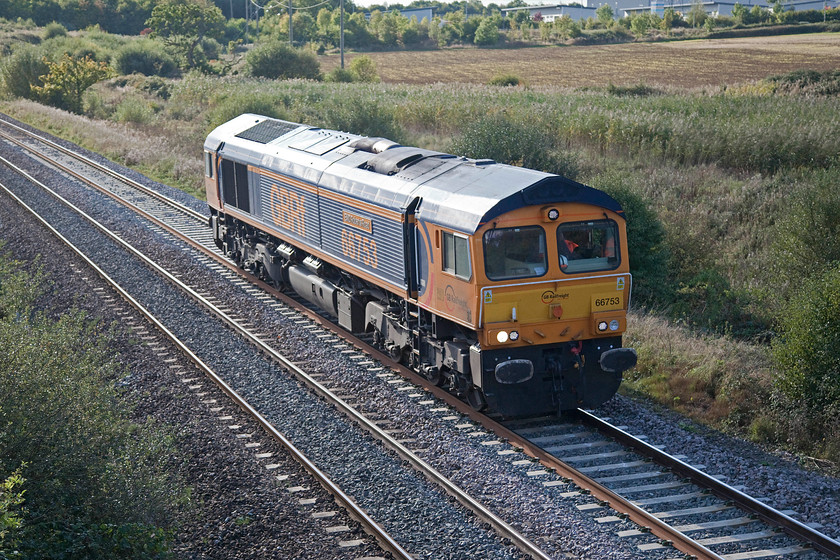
(358, 222)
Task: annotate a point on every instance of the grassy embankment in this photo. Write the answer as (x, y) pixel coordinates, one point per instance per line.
(711, 178)
(91, 474)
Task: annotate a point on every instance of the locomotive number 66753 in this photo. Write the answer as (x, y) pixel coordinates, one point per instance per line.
(511, 285)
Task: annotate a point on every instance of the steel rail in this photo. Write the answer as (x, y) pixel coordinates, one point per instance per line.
(769, 515)
(373, 528)
(501, 526)
(96, 165)
(657, 527)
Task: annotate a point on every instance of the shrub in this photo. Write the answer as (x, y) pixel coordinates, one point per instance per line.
(157, 87)
(363, 69)
(807, 237)
(487, 33)
(808, 82)
(67, 80)
(360, 112)
(506, 140)
(638, 90)
(278, 60)
(11, 497)
(709, 301)
(133, 110)
(23, 70)
(807, 351)
(145, 57)
(505, 80)
(54, 29)
(650, 258)
(260, 103)
(339, 75)
(97, 485)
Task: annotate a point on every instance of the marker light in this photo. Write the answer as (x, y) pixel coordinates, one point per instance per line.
(514, 335)
(614, 325)
(602, 326)
(502, 336)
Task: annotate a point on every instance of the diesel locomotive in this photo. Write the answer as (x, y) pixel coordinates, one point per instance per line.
(509, 284)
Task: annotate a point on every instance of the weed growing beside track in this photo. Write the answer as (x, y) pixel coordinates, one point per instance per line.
(94, 480)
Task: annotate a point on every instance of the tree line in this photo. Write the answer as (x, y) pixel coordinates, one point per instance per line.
(316, 24)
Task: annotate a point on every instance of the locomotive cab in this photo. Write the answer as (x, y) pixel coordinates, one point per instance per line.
(554, 290)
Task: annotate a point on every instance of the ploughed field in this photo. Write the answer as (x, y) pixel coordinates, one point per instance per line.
(687, 64)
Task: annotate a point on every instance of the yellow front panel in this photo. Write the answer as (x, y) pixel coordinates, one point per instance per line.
(538, 303)
(553, 312)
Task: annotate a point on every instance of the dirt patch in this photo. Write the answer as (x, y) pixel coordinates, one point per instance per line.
(684, 64)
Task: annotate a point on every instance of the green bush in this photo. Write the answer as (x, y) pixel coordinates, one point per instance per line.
(650, 258)
(23, 70)
(707, 300)
(363, 69)
(505, 80)
(487, 33)
(359, 111)
(158, 87)
(506, 140)
(145, 57)
(808, 82)
(339, 75)
(54, 29)
(96, 484)
(807, 236)
(100, 47)
(67, 80)
(807, 350)
(11, 498)
(638, 90)
(278, 60)
(133, 110)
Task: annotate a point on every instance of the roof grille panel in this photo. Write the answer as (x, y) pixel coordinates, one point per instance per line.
(267, 130)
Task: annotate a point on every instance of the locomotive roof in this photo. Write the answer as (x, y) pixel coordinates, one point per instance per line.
(455, 192)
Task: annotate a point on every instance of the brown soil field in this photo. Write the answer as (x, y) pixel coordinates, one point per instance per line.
(682, 64)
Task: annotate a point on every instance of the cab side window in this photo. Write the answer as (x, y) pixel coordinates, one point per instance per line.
(208, 164)
(456, 255)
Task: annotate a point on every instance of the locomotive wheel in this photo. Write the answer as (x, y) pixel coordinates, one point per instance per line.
(395, 351)
(475, 398)
(434, 375)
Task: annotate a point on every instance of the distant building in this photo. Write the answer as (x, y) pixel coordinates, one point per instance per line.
(717, 8)
(408, 13)
(419, 13)
(551, 12)
(582, 9)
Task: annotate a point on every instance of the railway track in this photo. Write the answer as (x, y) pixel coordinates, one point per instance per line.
(734, 534)
(160, 212)
(335, 491)
(642, 481)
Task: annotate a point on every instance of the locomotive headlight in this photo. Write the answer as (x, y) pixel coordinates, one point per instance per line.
(502, 336)
(514, 335)
(553, 214)
(602, 326)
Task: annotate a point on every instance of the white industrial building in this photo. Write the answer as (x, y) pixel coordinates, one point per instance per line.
(583, 9)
